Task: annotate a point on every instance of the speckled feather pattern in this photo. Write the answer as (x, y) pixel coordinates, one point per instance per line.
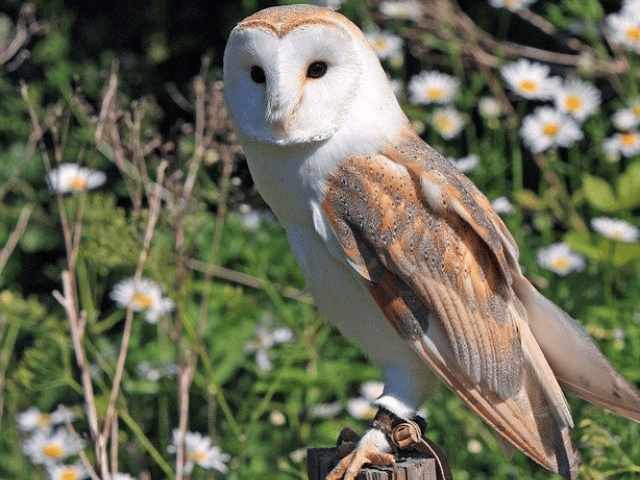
(424, 265)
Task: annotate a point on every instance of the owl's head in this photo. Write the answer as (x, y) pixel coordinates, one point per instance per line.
(296, 74)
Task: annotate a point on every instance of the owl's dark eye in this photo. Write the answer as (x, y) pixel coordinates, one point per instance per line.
(257, 75)
(317, 70)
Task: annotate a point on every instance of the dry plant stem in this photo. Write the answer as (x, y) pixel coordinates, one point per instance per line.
(69, 299)
(76, 325)
(185, 377)
(547, 27)
(108, 101)
(16, 235)
(26, 27)
(111, 415)
(83, 457)
(245, 279)
(460, 25)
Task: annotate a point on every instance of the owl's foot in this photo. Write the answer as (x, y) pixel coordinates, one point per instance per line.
(372, 449)
(378, 445)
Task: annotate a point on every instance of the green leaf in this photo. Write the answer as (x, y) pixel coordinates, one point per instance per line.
(628, 186)
(599, 193)
(581, 242)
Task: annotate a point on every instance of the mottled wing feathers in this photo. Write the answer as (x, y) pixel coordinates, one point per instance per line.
(440, 264)
(432, 264)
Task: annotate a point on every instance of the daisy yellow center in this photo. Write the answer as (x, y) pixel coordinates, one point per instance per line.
(628, 139)
(78, 183)
(199, 456)
(616, 235)
(636, 110)
(528, 86)
(573, 103)
(561, 263)
(53, 450)
(380, 43)
(435, 93)
(633, 33)
(550, 129)
(44, 420)
(69, 474)
(142, 300)
(443, 124)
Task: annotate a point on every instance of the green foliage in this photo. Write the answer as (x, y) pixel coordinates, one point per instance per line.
(607, 198)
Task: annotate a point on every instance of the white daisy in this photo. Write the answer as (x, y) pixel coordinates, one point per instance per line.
(67, 472)
(361, 408)
(199, 451)
(577, 98)
(372, 389)
(530, 79)
(266, 337)
(474, 446)
(489, 107)
(386, 44)
(156, 372)
(122, 476)
(631, 7)
(625, 29)
(625, 143)
(511, 5)
(447, 122)
(47, 448)
(615, 229)
(277, 418)
(325, 410)
(546, 128)
(146, 295)
(624, 119)
(32, 419)
(403, 10)
(432, 87)
(466, 164)
(560, 259)
(72, 178)
(502, 205)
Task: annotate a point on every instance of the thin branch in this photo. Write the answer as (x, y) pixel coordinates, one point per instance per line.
(26, 27)
(245, 279)
(185, 377)
(107, 101)
(77, 328)
(16, 235)
(126, 335)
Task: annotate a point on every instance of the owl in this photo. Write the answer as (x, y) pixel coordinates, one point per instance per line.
(400, 250)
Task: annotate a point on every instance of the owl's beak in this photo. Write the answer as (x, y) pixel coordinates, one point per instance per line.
(276, 119)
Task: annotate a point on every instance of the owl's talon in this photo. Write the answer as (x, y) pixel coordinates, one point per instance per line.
(372, 449)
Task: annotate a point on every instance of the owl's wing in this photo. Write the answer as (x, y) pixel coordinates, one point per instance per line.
(441, 265)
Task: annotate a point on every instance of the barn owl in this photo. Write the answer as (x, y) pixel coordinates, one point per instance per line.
(400, 250)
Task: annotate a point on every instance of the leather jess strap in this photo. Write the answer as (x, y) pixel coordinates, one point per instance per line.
(406, 434)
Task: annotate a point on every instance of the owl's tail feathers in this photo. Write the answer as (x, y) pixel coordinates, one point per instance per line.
(573, 356)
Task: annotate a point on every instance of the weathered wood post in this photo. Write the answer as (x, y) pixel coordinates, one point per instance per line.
(320, 461)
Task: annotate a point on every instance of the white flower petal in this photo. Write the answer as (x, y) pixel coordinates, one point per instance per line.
(615, 229)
